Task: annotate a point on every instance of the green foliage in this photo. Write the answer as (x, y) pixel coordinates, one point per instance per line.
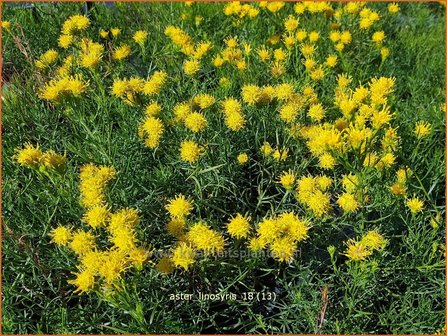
(402, 290)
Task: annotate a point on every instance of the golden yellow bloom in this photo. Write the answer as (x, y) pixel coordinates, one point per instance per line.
(179, 207)
(239, 226)
(84, 281)
(422, 129)
(152, 109)
(65, 41)
(316, 112)
(176, 227)
(112, 266)
(415, 205)
(196, 122)
(283, 249)
(191, 67)
(348, 202)
(121, 52)
(327, 161)
(378, 37)
(242, 158)
(356, 251)
(165, 265)
(373, 240)
(140, 37)
(206, 239)
(393, 8)
(183, 256)
(82, 242)
(190, 151)
(29, 155)
(46, 59)
(61, 235)
(266, 149)
(384, 53)
(6, 25)
(287, 180)
(74, 24)
(115, 32)
(97, 216)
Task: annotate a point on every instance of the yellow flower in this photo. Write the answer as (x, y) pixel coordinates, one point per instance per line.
(29, 155)
(152, 109)
(415, 205)
(138, 257)
(206, 239)
(6, 25)
(316, 112)
(356, 251)
(422, 129)
(373, 240)
(176, 227)
(183, 256)
(242, 158)
(287, 180)
(263, 53)
(165, 265)
(393, 8)
(251, 94)
(96, 216)
(46, 59)
(65, 41)
(112, 266)
(204, 100)
(331, 61)
(140, 37)
(327, 161)
(104, 33)
(190, 151)
(288, 112)
(61, 235)
(266, 149)
(51, 159)
(82, 242)
(75, 24)
(84, 281)
(115, 32)
(179, 207)
(384, 53)
(191, 67)
(314, 36)
(283, 249)
(152, 129)
(378, 37)
(348, 202)
(196, 122)
(256, 244)
(121, 52)
(123, 238)
(239, 226)
(234, 121)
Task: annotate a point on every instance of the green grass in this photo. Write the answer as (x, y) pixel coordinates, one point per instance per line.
(401, 290)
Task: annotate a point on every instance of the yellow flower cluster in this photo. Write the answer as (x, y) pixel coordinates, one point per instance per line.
(199, 237)
(96, 266)
(280, 234)
(75, 24)
(278, 154)
(46, 59)
(66, 86)
(33, 156)
(240, 11)
(362, 249)
(130, 90)
(313, 192)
